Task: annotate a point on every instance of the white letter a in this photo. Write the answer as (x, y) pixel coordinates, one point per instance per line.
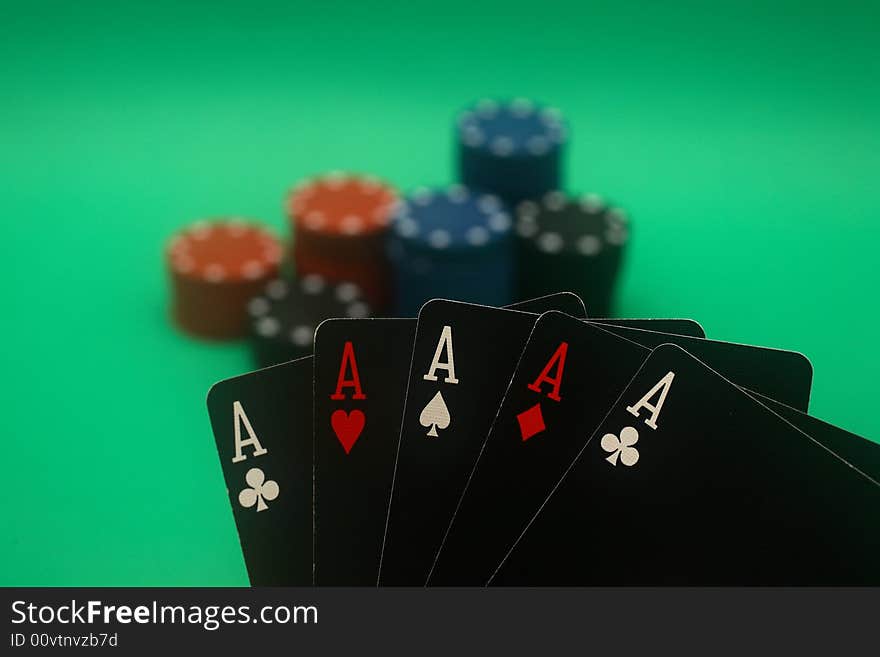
(444, 342)
(663, 386)
(239, 418)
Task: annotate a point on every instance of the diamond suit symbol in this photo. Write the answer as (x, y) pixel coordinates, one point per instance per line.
(531, 422)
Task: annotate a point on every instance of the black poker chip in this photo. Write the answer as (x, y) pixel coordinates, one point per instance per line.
(575, 244)
(284, 318)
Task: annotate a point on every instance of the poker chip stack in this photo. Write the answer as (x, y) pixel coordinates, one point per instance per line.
(451, 244)
(340, 223)
(512, 149)
(284, 317)
(571, 244)
(215, 268)
(358, 250)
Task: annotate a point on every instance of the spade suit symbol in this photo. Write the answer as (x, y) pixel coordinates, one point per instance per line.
(435, 415)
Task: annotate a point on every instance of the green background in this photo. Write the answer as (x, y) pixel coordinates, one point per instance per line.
(744, 141)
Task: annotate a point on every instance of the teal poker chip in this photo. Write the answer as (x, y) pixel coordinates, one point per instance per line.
(518, 128)
(512, 149)
(451, 243)
(451, 219)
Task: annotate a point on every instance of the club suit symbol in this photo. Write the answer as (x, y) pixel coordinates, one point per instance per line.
(259, 491)
(622, 448)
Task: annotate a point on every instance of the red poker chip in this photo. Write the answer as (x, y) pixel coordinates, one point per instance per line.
(223, 250)
(342, 205)
(216, 267)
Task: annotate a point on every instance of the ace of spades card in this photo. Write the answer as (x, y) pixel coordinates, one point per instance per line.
(462, 359)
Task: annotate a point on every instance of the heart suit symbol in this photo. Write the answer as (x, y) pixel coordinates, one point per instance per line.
(347, 427)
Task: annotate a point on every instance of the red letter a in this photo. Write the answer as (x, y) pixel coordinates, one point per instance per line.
(355, 381)
(556, 381)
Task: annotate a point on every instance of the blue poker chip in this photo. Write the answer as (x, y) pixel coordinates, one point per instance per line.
(487, 280)
(511, 149)
(453, 244)
(451, 220)
(518, 128)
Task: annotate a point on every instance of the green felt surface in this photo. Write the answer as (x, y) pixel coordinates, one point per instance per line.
(744, 141)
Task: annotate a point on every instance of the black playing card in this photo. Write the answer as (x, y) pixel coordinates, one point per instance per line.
(565, 302)
(571, 304)
(689, 480)
(537, 431)
(361, 372)
(462, 360)
(661, 325)
(861, 453)
(786, 376)
(569, 374)
(262, 424)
